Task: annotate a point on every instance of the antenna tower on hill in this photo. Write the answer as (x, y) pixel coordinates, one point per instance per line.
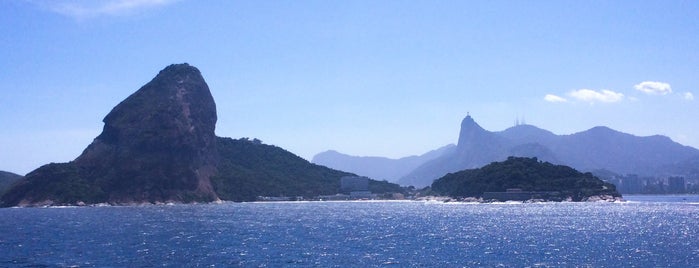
(519, 121)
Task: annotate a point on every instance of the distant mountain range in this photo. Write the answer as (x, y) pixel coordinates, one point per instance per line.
(599, 148)
(381, 168)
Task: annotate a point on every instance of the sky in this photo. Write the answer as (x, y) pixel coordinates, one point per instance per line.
(368, 78)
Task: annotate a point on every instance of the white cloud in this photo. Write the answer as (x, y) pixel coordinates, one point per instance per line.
(590, 95)
(657, 88)
(554, 98)
(81, 9)
(688, 96)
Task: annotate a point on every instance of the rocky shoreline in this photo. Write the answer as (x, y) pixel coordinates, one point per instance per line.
(432, 199)
(446, 199)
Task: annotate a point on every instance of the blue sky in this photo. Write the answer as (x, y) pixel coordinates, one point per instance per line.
(385, 78)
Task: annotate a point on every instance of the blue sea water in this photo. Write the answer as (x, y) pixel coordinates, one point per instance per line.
(648, 231)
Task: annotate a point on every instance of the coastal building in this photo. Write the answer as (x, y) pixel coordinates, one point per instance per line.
(631, 184)
(676, 185)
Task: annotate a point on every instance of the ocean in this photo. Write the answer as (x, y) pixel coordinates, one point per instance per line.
(647, 231)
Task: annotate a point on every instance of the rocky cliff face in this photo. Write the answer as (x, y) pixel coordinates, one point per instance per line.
(158, 145)
(163, 136)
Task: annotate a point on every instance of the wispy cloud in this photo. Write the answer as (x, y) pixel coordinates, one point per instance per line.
(688, 96)
(590, 95)
(81, 9)
(651, 87)
(554, 98)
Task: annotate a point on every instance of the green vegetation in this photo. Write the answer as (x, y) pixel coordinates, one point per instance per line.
(60, 183)
(527, 174)
(246, 169)
(249, 168)
(6, 180)
(384, 186)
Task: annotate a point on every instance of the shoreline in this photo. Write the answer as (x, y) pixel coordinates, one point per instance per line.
(425, 199)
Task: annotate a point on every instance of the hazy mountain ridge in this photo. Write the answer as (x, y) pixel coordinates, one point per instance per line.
(605, 148)
(598, 148)
(688, 167)
(381, 168)
(476, 147)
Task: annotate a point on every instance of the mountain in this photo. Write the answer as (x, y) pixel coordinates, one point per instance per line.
(605, 148)
(381, 168)
(249, 169)
(531, 177)
(594, 149)
(527, 133)
(476, 147)
(6, 180)
(689, 167)
(158, 145)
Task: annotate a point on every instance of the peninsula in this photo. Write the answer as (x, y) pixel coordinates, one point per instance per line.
(159, 146)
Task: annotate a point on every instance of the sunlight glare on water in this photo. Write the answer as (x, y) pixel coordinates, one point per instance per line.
(355, 234)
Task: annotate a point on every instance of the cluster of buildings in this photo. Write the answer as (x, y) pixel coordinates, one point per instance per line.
(634, 184)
